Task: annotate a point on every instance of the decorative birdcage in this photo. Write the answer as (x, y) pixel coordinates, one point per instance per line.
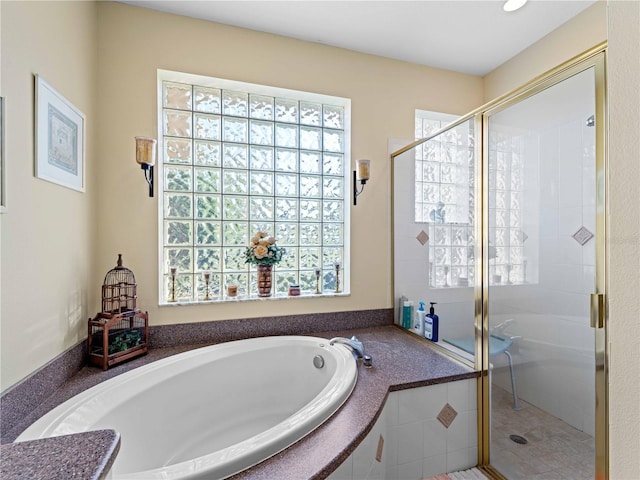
(120, 331)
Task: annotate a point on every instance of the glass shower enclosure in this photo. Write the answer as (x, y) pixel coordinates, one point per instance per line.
(500, 218)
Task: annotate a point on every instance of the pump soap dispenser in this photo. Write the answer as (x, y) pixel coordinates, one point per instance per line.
(431, 324)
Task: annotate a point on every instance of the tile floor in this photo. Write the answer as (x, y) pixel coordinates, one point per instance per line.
(555, 450)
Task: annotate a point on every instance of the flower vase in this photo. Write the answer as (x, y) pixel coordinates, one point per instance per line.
(264, 280)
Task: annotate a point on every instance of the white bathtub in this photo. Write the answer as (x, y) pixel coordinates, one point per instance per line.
(211, 412)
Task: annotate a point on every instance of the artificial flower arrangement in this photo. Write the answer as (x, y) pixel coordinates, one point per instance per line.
(262, 250)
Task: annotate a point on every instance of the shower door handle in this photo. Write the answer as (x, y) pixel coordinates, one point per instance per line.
(597, 310)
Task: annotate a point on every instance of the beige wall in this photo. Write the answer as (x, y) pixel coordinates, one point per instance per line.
(582, 32)
(134, 43)
(47, 239)
(624, 238)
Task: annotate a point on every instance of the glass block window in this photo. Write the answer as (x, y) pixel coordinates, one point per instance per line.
(445, 198)
(239, 158)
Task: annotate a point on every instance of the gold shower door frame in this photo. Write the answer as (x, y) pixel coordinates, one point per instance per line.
(594, 58)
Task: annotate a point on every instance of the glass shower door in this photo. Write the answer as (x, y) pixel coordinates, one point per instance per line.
(542, 236)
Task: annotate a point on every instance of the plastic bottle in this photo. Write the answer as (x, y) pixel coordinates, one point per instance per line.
(418, 324)
(407, 317)
(431, 324)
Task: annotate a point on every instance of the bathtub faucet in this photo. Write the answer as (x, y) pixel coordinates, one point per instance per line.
(356, 345)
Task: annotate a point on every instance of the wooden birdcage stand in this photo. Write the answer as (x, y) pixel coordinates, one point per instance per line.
(120, 331)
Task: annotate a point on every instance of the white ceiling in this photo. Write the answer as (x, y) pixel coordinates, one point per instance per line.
(469, 36)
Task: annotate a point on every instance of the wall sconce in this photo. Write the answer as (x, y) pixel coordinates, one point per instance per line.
(360, 174)
(146, 158)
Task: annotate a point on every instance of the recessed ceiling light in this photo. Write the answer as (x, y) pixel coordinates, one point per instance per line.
(513, 5)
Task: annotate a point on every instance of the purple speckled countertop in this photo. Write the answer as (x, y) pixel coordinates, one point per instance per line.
(400, 360)
(81, 456)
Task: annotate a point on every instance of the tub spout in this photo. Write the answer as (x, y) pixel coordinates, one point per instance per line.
(356, 345)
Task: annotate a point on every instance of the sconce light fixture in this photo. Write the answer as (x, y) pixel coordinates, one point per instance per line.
(146, 158)
(360, 174)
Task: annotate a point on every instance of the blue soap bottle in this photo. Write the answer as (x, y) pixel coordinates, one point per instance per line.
(431, 324)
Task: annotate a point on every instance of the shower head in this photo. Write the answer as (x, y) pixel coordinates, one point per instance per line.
(591, 121)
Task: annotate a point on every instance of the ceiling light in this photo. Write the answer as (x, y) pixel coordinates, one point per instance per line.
(513, 5)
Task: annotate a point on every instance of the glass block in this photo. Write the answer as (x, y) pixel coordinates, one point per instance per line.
(514, 218)
(331, 256)
(432, 151)
(516, 179)
(261, 183)
(209, 206)
(442, 255)
(417, 170)
(459, 274)
(208, 259)
(431, 172)
(442, 235)
(207, 99)
(310, 162)
(207, 127)
(208, 233)
(333, 140)
(459, 236)
(332, 234)
(333, 164)
(501, 217)
(516, 254)
(176, 95)
(183, 288)
(261, 133)
(309, 234)
(516, 201)
(235, 233)
(207, 180)
(261, 208)
(177, 205)
(207, 153)
(235, 130)
(459, 256)
(447, 174)
(310, 258)
(333, 211)
(233, 259)
(501, 180)
(430, 193)
(310, 210)
(286, 185)
(179, 258)
(329, 279)
(177, 178)
(235, 208)
(287, 233)
(447, 193)
(501, 255)
(311, 138)
(334, 117)
(261, 106)
(311, 113)
(333, 187)
(235, 182)
(501, 198)
(241, 280)
(261, 158)
(499, 237)
(287, 209)
(284, 279)
(289, 260)
(177, 123)
(502, 160)
(262, 226)
(307, 281)
(286, 160)
(178, 232)
(215, 286)
(286, 135)
(234, 155)
(235, 103)
(515, 236)
(449, 154)
(310, 186)
(286, 110)
(177, 150)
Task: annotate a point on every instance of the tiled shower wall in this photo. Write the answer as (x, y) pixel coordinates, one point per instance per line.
(415, 444)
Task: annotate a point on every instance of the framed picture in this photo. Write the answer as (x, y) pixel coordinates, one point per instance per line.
(3, 174)
(60, 131)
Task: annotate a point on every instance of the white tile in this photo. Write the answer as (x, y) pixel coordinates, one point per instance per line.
(459, 460)
(432, 466)
(391, 410)
(344, 471)
(472, 428)
(410, 471)
(390, 451)
(435, 438)
(569, 219)
(458, 433)
(421, 403)
(458, 395)
(410, 442)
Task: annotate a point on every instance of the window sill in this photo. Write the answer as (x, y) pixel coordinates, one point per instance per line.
(252, 298)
